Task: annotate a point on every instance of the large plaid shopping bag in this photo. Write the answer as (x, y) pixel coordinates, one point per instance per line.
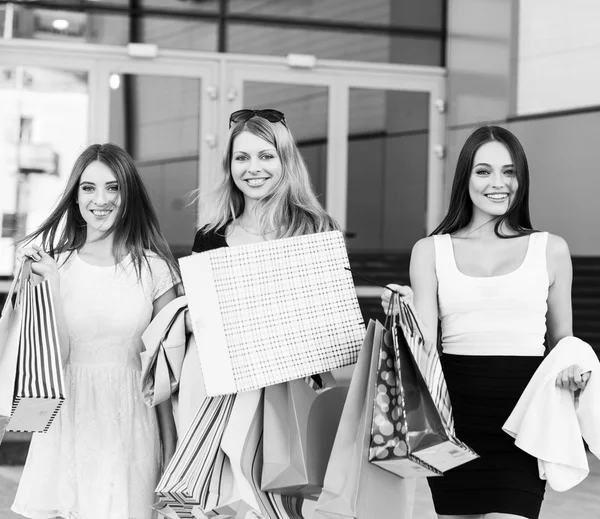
(423, 398)
(39, 382)
(271, 312)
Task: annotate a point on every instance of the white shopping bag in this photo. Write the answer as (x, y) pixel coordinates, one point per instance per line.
(272, 312)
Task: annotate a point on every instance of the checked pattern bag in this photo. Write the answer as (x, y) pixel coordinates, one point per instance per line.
(271, 312)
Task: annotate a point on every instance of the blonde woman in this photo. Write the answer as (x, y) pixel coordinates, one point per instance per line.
(266, 191)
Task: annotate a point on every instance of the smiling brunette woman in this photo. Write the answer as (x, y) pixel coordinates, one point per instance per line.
(111, 271)
(498, 287)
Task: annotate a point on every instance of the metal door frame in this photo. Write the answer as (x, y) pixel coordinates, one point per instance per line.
(339, 77)
(222, 78)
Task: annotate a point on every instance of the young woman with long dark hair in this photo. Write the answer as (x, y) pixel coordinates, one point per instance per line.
(111, 271)
(498, 287)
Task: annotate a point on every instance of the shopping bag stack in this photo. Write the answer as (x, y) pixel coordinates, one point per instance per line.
(31, 374)
(228, 464)
(354, 488)
(271, 312)
(412, 431)
(265, 315)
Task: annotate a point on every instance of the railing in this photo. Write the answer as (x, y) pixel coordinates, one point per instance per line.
(393, 268)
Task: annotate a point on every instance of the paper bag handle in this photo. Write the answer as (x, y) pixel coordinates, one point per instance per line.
(23, 273)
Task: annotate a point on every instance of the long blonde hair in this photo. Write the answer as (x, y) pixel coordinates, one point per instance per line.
(291, 208)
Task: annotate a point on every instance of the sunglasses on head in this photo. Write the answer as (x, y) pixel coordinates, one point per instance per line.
(273, 116)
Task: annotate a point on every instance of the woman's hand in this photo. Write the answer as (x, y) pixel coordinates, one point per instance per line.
(188, 323)
(43, 264)
(405, 292)
(572, 378)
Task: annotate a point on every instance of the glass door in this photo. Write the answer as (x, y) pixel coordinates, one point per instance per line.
(55, 99)
(388, 163)
(370, 134)
(163, 112)
(44, 121)
(254, 82)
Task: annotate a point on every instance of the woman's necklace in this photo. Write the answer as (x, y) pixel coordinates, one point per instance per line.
(252, 232)
(477, 228)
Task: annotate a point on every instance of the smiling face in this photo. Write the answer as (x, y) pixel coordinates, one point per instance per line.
(98, 198)
(255, 166)
(493, 183)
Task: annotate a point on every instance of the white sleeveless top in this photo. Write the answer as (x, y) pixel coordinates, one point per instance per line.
(497, 315)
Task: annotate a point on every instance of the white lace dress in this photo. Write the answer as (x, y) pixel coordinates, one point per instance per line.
(100, 459)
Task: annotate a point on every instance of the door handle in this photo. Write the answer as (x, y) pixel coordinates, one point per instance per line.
(210, 140)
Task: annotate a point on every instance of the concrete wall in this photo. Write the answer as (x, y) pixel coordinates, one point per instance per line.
(565, 177)
(482, 86)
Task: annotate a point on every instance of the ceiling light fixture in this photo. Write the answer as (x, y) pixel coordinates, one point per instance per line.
(60, 24)
(114, 81)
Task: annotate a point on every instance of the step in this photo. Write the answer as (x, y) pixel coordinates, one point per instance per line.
(14, 448)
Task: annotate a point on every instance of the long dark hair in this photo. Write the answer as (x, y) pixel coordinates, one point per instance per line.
(460, 210)
(136, 227)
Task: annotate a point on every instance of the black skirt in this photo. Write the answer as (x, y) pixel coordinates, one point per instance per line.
(483, 391)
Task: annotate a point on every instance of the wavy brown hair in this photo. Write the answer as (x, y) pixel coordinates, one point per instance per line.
(136, 228)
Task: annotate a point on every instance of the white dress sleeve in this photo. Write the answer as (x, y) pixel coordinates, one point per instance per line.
(162, 278)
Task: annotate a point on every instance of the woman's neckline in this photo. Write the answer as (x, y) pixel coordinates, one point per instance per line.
(226, 235)
(498, 276)
(78, 256)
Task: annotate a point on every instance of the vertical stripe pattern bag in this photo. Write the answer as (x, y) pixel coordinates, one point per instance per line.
(447, 452)
(10, 329)
(39, 385)
(186, 481)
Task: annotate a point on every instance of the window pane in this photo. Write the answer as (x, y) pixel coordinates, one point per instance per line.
(354, 46)
(203, 6)
(375, 11)
(559, 49)
(406, 13)
(305, 109)
(175, 33)
(113, 29)
(387, 169)
(156, 119)
(44, 127)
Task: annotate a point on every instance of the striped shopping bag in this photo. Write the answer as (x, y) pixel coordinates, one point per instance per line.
(427, 358)
(39, 384)
(10, 328)
(447, 451)
(186, 481)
